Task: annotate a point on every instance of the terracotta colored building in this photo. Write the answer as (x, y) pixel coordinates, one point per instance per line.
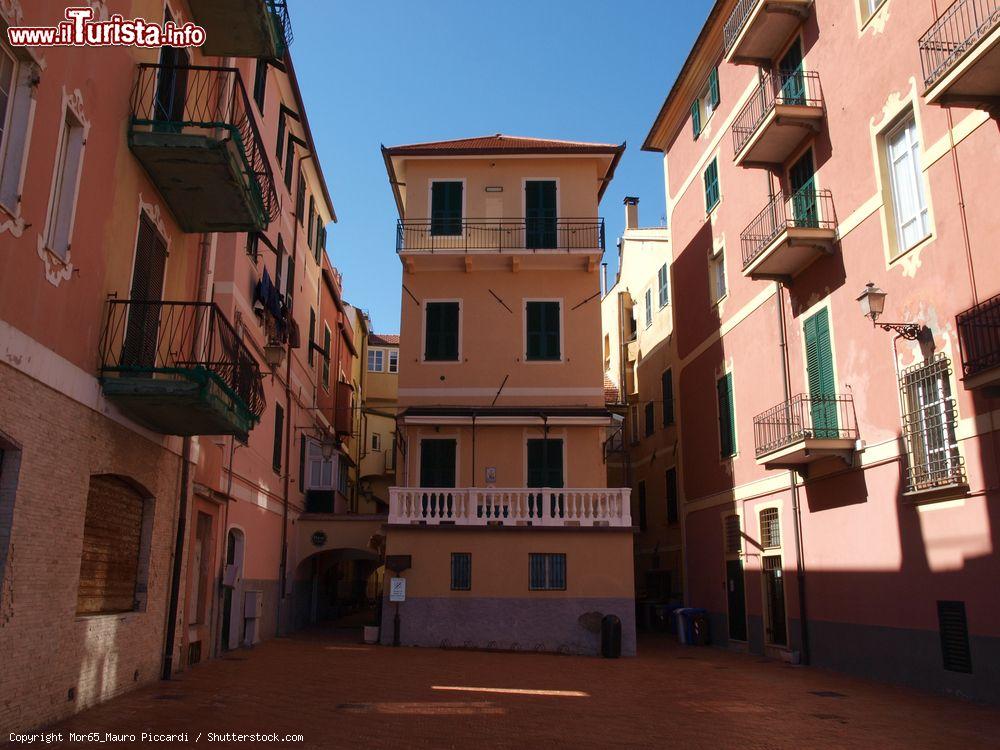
(513, 538)
(838, 480)
(162, 243)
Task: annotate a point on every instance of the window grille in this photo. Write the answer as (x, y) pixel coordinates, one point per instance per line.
(770, 528)
(461, 571)
(929, 417)
(546, 571)
(732, 531)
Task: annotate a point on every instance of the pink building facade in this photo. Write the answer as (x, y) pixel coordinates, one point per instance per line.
(839, 480)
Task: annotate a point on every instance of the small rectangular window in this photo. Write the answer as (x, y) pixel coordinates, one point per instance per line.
(733, 534)
(649, 308)
(661, 281)
(717, 276)
(253, 246)
(312, 336)
(327, 340)
(376, 360)
(279, 423)
(461, 571)
(633, 421)
(280, 149)
(260, 84)
(667, 391)
(956, 656)
(547, 571)
(376, 441)
(672, 509)
(65, 187)
(650, 419)
(441, 331)
(711, 177)
(393, 360)
(727, 421)
(543, 331)
(770, 528)
(310, 239)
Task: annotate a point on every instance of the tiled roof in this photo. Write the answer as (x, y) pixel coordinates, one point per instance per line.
(383, 339)
(610, 391)
(500, 144)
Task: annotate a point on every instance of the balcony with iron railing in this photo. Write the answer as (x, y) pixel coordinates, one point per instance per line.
(179, 368)
(805, 429)
(788, 235)
(516, 235)
(545, 507)
(244, 28)
(979, 339)
(777, 118)
(192, 129)
(960, 55)
(757, 30)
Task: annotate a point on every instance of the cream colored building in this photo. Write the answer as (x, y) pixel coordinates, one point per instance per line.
(377, 468)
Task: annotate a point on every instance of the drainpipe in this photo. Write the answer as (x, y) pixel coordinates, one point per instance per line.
(204, 271)
(800, 570)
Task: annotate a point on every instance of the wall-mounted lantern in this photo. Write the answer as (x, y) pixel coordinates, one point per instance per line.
(872, 301)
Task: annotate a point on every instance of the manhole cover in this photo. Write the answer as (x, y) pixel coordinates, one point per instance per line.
(827, 694)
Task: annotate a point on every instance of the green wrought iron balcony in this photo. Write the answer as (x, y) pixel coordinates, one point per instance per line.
(192, 129)
(777, 118)
(244, 28)
(788, 235)
(180, 368)
(805, 429)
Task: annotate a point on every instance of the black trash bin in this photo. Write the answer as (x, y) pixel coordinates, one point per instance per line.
(611, 637)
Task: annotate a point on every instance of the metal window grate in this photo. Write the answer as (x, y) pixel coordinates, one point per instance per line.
(461, 571)
(546, 571)
(772, 562)
(954, 628)
(770, 528)
(929, 421)
(732, 530)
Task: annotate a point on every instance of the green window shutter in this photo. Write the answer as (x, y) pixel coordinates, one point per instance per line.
(536, 463)
(542, 321)
(302, 463)
(711, 185)
(667, 386)
(326, 356)
(545, 463)
(279, 421)
(713, 87)
(441, 334)
(696, 117)
(819, 369)
(661, 277)
(312, 335)
(446, 208)
(727, 426)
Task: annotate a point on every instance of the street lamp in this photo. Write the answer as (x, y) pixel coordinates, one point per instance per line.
(327, 447)
(872, 301)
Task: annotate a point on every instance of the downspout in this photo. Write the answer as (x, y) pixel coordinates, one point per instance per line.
(170, 637)
(800, 570)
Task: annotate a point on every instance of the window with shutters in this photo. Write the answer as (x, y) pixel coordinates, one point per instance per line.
(718, 288)
(661, 283)
(546, 571)
(376, 360)
(300, 199)
(260, 84)
(442, 331)
(823, 410)
(649, 307)
(393, 360)
(930, 415)
(711, 180)
(461, 571)
(906, 180)
(727, 417)
(650, 418)
(438, 466)
(320, 473)
(545, 462)
(289, 166)
(279, 424)
(114, 558)
(673, 515)
(642, 505)
(280, 149)
(312, 222)
(667, 393)
(327, 340)
(733, 534)
(633, 423)
(446, 208)
(543, 323)
(65, 186)
(704, 106)
(140, 349)
(770, 528)
(312, 336)
(17, 104)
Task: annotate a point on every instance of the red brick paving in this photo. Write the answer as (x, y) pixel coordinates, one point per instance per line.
(341, 694)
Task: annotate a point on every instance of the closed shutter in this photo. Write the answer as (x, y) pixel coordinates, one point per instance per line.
(112, 535)
(954, 628)
(312, 334)
(446, 208)
(279, 421)
(312, 222)
(819, 368)
(713, 87)
(437, 463)
(661, 277)
(727, 428)
(642, 506)
(711, 185)
(289, 171)
(147, 286)
(545, 463)
(280, 150)
(461, 571)
(667, 387)
(672, 510)
(542, 320)
(441, 335)
(300, 198)
(540, 214)
(696, 117)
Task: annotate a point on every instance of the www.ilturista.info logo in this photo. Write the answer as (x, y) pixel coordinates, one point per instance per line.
(80, 30)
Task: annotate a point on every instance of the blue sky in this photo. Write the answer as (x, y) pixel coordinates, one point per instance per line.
(403, 71)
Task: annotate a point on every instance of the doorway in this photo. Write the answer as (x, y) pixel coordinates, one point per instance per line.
(793, 90)
(232, 599)
(540, 214)
(736, 601)
(802, 181)
(774, 599)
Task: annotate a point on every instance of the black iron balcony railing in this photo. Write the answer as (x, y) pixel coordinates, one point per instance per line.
(209, 102)
(463, 235)
(734, 25)
(801, 88)
(191, 341)
(979, 337)
(961, 27)
(282, 24)
(806, 209)
(805, 417)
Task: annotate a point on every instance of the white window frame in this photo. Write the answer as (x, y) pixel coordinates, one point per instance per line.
(19, 118)
(663, 285)
(717, 259)
(393, 363)
(320, 473)
(648, 306)
(64, 192)
(524, 331)
(376, 442)
(376, 360)
(910, 182)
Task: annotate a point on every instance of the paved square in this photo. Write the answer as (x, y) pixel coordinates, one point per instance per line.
(342, 694)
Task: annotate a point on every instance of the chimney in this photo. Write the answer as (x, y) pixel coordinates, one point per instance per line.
(631, 212)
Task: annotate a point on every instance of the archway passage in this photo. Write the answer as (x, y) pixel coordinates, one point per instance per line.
(339, 588)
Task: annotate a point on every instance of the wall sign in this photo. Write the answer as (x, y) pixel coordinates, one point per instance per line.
(491, 474)
(397, 589)
(319, 538)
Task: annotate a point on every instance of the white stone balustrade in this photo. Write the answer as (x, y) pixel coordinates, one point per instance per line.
(476, 506)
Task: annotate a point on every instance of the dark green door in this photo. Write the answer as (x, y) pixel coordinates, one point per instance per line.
(446, 209)
(540, 214)
(139, 351)
(802, 181)
(437, 463)
(171, 88)
(736, 600)
(793, 84)
(819, 368)
(545, 469)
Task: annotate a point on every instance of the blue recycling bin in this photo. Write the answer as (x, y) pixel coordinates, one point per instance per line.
(685, 624)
